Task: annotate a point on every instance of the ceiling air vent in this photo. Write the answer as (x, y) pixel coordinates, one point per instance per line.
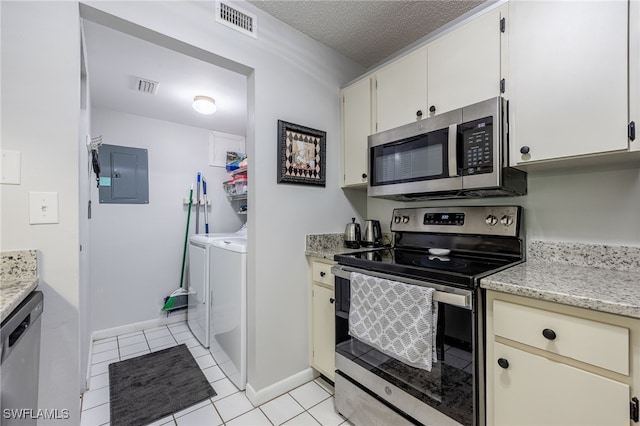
(144, 85)
(236, 18)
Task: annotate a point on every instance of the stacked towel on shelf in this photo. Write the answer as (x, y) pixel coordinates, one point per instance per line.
(398, 319)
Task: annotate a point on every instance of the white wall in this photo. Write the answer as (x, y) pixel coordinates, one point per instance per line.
(85, 183)
(297, 80)
(136, 249)
(41, 60)
(587, 206)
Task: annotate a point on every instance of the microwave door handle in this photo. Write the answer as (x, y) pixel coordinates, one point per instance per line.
(453, 150)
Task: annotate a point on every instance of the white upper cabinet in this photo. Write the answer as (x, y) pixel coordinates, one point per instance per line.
(568, 68)
(634, 70)
(356, 128)
(465, 65)
(401, 91)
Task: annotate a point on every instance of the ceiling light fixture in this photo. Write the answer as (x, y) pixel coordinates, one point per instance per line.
(204, 104)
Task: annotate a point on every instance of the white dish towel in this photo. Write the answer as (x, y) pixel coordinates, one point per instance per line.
(398, 319)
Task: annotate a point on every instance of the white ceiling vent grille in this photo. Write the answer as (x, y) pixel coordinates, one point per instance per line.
(236, 18)
(144, 85)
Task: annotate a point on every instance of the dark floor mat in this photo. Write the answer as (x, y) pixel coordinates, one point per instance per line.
(152, 386)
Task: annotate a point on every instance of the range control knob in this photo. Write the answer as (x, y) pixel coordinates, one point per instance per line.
(491, 220)
(396, 219)
(405, 219)
(506, 220)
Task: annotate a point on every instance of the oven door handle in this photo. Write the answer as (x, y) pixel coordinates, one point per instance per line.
(442, 294)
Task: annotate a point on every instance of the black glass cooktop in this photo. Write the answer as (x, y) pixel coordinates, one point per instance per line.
(454, 268)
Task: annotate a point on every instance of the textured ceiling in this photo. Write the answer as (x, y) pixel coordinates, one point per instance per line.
(366, 31)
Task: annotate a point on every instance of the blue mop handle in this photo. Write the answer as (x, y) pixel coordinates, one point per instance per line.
(206, 218)
(198, 204)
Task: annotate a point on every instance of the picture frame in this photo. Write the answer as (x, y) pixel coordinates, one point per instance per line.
(301, 154)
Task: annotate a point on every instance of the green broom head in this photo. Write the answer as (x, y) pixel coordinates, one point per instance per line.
(177, 300)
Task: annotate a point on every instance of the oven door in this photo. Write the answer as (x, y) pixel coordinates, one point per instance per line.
(384, 386)
(416, 158)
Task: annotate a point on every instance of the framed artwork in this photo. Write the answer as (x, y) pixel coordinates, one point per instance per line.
(301, 154)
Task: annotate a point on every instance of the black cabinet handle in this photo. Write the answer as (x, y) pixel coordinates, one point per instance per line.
(502, 362)
(549, 334)
(419, 113)
(332, 300)
(322, 274)
(524, 150)
(364, 176)
(432, 108)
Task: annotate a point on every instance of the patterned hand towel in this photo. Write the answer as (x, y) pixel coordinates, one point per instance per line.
(396, 318)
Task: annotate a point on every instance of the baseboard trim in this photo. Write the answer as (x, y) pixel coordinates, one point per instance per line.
(138, 326)
(279, 388)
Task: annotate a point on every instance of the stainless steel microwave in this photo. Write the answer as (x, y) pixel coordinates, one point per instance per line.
(460, 153)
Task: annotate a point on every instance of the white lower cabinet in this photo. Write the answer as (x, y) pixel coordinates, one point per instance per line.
(323, 339)
(533, 390)
(552, 364)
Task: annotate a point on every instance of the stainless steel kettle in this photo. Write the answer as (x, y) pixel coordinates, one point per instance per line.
(372, 234)
(352, 234)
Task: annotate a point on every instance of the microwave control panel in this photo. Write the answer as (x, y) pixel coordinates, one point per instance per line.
(477, 143)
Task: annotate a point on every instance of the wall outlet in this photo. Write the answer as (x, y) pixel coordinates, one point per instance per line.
(43, 207)
(10, 167)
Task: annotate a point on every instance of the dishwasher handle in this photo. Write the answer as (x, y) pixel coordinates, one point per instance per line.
(19, 331)
(19, 321)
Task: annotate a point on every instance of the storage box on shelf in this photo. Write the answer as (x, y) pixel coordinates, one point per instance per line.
(236, 189)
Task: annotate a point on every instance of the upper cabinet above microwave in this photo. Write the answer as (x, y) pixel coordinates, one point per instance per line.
(568, 79)
(570, 71)
(457, 69)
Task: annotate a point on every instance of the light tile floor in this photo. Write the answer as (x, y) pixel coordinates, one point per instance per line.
(311, 404)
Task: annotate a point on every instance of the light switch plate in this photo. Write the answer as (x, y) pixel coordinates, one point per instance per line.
(10, 167)
(43, 207)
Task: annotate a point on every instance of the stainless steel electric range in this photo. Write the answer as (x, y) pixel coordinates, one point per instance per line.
(447, 249)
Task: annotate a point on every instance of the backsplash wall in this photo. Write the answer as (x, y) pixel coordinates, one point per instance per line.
(587, 206)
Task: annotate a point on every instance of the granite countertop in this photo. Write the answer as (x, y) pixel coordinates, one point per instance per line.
(18, 278)
(325, 246)
(601, 278)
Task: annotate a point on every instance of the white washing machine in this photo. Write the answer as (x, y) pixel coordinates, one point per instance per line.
(198, 309)
(228, 328)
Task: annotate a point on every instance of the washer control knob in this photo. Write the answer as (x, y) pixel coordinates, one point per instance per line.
(491, 220)
(396, 219)
(405, 219)
(507, 220)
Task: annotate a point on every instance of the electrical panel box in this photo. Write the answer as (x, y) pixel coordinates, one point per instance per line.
(124, 175)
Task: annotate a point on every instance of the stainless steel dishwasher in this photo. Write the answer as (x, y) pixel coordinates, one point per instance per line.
(20, 339)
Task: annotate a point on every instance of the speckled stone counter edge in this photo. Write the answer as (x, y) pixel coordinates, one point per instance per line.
(619, 258)
(19, 265)
(325, 246)
(598, 277)
(18, 278)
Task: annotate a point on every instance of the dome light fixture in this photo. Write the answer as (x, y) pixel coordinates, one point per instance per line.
(204, 104)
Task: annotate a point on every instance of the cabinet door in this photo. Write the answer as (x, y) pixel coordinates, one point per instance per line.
(533, 390)
(324, 341)
(634, 70)
(356, 128)
(401, 91)
(567, 78)
(464, 65)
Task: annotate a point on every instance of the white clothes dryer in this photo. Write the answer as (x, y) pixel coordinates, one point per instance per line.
(228, 296)
(198, 308)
